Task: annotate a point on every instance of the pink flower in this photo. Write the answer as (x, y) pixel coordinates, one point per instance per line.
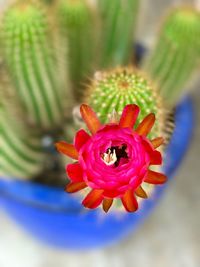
(114, 161)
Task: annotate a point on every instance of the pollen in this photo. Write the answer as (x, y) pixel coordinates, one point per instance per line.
(109, 158)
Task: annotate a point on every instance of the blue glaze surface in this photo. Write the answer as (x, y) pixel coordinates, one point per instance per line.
(58, 219)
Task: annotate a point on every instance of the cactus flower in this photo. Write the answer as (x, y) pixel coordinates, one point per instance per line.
(114, 160)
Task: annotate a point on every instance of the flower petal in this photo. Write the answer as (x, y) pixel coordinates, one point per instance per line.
(107, 203)
(129, 201)
(155, 156)
(146, 125)
(155, 178)
(93, 199)
(75, 172)
(129, 116)
(81, 138)
(67, 149)
(140, 192)
(157, 142)
(75, 187)
(90, 118)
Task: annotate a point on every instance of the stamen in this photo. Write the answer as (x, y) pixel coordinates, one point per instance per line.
(114, 155)
(110, 157)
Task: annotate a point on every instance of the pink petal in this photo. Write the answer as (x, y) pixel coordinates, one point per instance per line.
(146, 125)
(67, 149)
(155, 178)
(129, 201)
(93, 199)
(81, 138)
(75, 187)
(75, 172)
(129, 116)
(90, 118)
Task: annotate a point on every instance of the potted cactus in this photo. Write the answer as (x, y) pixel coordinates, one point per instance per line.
(58, 55)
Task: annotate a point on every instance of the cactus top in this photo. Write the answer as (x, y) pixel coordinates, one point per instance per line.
(113, 90)
(180, 20)
(23, 13)
(74, 12)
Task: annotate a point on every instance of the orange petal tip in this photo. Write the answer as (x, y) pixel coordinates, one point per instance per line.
(90, 118)
(146, 125)
(107, 203)
(67, 149)
(75, 187)
(129, 116)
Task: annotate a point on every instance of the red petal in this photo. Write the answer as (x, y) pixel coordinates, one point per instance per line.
(67, 149)
(75, 187)
(90, 118)
(129, 201)
(155, 156)
(157, 142)
(129, 116)
(140, 192)
(81, 138)
(107, 203)
(155, 178)
(75, 172)
(146, 125)
(93, 199)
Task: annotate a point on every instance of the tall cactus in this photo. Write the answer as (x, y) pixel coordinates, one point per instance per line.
(77, 23)
(113, 90)
(32, 60)
(21, 153)
(118, 18)
(176, 54)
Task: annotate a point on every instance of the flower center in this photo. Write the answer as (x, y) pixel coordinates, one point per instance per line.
(114, 155)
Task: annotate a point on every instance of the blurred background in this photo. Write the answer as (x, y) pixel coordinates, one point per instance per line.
(170, 236)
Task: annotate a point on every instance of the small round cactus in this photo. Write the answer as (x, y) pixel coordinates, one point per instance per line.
(176, 54)
(113, 90)
(32, 62)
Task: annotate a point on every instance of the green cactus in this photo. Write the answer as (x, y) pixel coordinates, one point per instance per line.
(77, 23)
(33, 63)
(118, 19)
(176, 54)
(21, 153)
(112, 91)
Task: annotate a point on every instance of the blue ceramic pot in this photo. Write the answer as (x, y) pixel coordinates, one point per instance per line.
(58, 219)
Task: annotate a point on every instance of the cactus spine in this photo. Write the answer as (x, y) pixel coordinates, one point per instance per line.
(118, 18)
(176, 54)
(33, 64)
(113, 90)
(77, 23)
